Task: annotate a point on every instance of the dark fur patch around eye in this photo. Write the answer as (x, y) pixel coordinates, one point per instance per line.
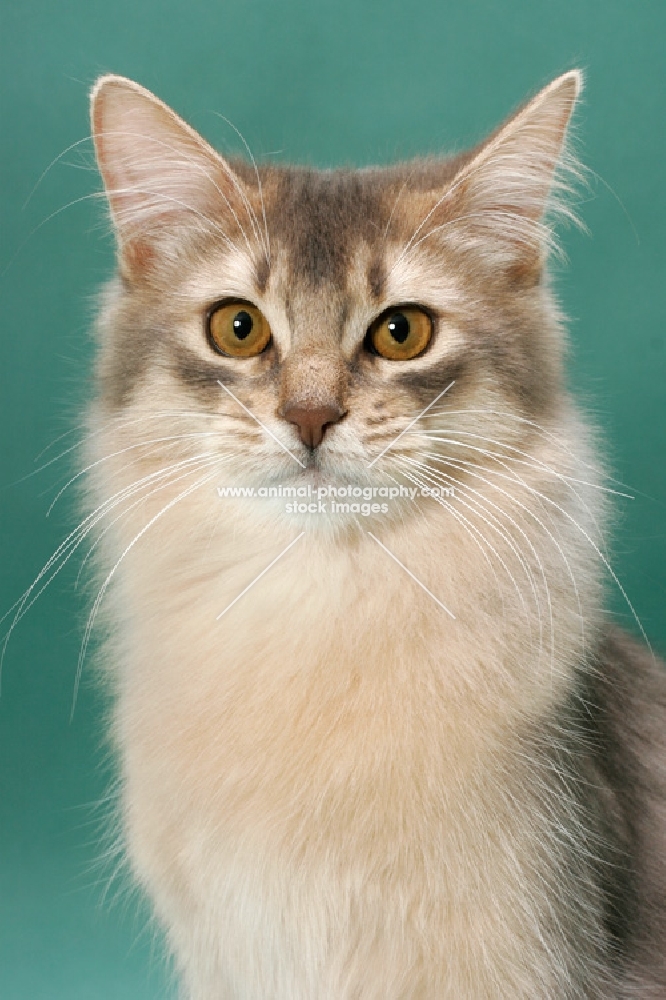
(425, 383)
(133, 352)
(202, 376)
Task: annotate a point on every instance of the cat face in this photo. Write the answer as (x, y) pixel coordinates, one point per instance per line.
(301, 320)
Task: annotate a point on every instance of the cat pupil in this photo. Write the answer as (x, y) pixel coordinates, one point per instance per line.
(242, 324)
(399, 327)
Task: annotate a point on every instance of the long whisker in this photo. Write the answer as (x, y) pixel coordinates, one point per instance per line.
(533, 460)
(597, 550)
(483, 502)
(116, 422)
(420, 481)
(511, 474)
(100, 596)
(48, 447)
(536, 464)
(562, 445)
(214, 460)
(457, 463)
(71, 543)
(509, 463)
(67, 548)
(428, 473)
(122, 451)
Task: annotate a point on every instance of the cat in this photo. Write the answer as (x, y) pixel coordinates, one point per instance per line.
(393, 752)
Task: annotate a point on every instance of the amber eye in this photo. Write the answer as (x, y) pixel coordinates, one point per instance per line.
(238, 329)
(402, 334)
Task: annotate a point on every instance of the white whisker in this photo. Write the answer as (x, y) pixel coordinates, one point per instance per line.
(550, 436)
(100, 596)
(528, 460)
(494, 523)
(194, 467)
(420, 481)
(459, 463)
(71, 543)
(123, 451)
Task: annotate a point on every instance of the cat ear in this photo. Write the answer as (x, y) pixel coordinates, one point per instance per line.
(162, 179)
(520, 178)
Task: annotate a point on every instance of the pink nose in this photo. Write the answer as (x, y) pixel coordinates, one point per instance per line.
(312, 421)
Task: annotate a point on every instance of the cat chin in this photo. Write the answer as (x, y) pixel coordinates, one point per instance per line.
(327, 497)
(315, 472)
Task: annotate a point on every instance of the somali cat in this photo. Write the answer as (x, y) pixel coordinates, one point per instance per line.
(382, 752)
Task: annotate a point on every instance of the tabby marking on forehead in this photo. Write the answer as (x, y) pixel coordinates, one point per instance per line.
(321, 218)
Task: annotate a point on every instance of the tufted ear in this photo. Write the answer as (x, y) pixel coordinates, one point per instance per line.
(520, 175)
(162, 179)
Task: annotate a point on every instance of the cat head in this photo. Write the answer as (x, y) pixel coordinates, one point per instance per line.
(303, 319)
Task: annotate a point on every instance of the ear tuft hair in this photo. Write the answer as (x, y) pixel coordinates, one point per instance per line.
(161, 176)
(505, 202)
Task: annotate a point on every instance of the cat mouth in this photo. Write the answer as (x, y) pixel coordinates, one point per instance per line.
(313, 463)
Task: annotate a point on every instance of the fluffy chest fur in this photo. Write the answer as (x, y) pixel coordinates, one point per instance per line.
(338, 780)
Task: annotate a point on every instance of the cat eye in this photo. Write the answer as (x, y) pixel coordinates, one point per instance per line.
(400, 334)
(238, 329)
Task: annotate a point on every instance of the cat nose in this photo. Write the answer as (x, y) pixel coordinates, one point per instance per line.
(312, 421)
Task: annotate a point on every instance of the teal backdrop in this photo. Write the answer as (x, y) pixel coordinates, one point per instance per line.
(350, 82)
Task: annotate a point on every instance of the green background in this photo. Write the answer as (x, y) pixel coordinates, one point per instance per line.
(328, 83)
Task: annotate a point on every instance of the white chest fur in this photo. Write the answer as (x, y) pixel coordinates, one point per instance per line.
(323, 788)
